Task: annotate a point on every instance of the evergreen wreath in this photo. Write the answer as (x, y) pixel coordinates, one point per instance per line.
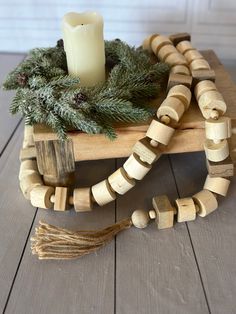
(45, 93)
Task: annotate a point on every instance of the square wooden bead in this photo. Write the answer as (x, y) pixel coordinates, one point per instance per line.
(176, 79)
(202, 75)
(186, 209)
(178, 37)
(146, 151)
(61, 199)
(164, 212)
(224, 168)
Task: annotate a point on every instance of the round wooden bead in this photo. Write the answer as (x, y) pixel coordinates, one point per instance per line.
(199, 64)
(176, 59)
(203, 87)
(172, 107)
(40, 196)
(181, 92)
(160, 132)
(29, 182)
(165, 51)
(216, 151)
(103, 193)
(27, 167)
(158, 42)
(120, 182)
(135, 168)
(82, 200)
(184, 46)
(217, 185)
(180, 69)
(206, 202)
(191, 55)
(147, 43)
(186, 210)
(140, 218)
(211, 100)
(218, 129)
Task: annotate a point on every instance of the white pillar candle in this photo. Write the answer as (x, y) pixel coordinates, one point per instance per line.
(84, 46)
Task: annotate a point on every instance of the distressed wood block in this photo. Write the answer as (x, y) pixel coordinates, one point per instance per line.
(178, 37)
(177, 79)
(61, 199)
(224, 168)
(164, 212)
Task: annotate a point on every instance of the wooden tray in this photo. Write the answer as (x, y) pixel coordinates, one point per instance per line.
(189, 136)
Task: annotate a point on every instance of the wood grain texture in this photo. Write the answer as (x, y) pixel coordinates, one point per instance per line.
(16, 216)
(191, 126)
(213, 237)
(155, 269)
(77, 286)
(7, 122)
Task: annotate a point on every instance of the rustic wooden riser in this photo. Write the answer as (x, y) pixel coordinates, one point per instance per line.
(189, 136)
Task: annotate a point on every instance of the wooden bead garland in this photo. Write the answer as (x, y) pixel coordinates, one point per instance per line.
(160, 132)
(136, 168)
(145, 151)
(217, 185)
(103, 193)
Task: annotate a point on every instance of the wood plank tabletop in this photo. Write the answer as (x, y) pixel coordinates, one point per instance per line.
(190, 268)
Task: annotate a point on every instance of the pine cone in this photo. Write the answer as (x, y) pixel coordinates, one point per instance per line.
(60, 43)
(79, 98)
(22, 79)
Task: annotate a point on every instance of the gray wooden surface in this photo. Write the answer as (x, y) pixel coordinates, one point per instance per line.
(188, 269)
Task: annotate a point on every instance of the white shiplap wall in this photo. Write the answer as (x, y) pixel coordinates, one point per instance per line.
(26, 24)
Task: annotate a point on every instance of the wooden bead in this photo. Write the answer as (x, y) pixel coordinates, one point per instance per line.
(158, 42)
(181, 92)
(176, 59)
(218, 129)
(61, 199)
(211, 100)
(102, 193)
(164, 212)
(140, 218)
(82, 200)
(28, 136)
(180, 69)
(177, 79)
(120, 182)
(147, 43)
(186, 209)
(224, 168)
(217, 185)
(165, 51)
(135, 168)
(28, 182)
(192, 55)
(146, 151)
(177, 38)
(27, 167)
(172, 107)
(199, 64)
(40, 196)
(203, 87)
(206, 202)
(202, 75)
(160, 132)
(28, 153)
(216, 151)
(184, 46)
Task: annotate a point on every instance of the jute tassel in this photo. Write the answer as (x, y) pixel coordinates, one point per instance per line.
(51, 242)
